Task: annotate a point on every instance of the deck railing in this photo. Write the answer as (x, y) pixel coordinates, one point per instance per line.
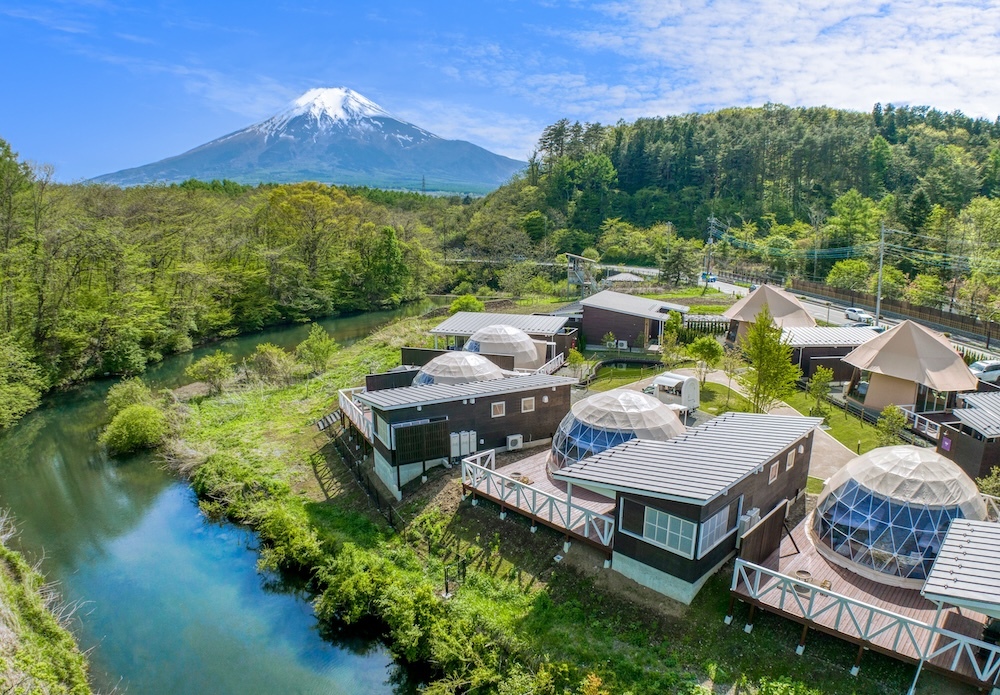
(553, 365)
(862, 621)
(992, 507)
(919, 423)
(552, 509)
(354, 413)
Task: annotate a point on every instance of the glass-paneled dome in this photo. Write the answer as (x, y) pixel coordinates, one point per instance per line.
(501, 339)
(607, 419)
(885, 513)
(457, 368)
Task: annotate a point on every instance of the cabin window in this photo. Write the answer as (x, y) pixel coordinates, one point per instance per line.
(498, 409)
(714, 529)
(528, 405)
(773, 474)
(790, 460)
(671, 532)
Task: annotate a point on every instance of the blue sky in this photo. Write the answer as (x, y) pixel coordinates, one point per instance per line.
(93, 86)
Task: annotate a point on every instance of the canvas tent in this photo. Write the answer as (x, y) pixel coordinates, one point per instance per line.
(786, 310)
(907, 362)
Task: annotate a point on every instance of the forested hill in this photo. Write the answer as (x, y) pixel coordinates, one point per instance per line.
(99, 280)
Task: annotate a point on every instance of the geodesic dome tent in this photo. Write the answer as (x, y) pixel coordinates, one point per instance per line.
(457, 368)
(607, 419)
(885, 514)
(500, 339)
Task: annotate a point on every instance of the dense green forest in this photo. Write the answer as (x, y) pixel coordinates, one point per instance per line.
(100, 280)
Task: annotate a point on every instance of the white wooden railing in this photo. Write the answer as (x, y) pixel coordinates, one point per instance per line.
(865, 622)
(919, 423)
(544, 506)
(553, 365)
(354, 413)
(992, 507)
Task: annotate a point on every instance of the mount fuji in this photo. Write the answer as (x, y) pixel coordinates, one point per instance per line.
(333, 135)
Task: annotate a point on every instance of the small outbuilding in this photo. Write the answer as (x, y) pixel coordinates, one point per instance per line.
(825, 346)
(972, 438)
(682, 392)
(786, 310)
(634, 321)
(910, 366)
(680, 503)
(885, 514)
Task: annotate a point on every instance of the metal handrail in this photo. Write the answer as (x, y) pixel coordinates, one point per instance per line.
(553, 365)
(354, 413)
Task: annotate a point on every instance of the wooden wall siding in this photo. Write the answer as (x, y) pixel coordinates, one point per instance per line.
(389, 380)
(809, 358)
(540, 424)
(421, 356)
(565, 341)
(755, 490)
(976, 457)
(598, 322)
(764, 538)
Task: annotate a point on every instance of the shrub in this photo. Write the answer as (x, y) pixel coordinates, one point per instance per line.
(138, 426)
(272, 364)
(216, 369)
(125, 393)
(890, 425)
(317, 350)
(466, 302)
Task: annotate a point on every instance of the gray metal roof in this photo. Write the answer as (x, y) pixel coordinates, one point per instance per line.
(982, 413)
(466, 323)
(698, 465)
(411, 396)
(632, 305)
(966, 571)
(827, 336)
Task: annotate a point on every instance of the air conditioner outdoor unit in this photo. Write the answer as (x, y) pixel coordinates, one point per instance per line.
(515, 442)
(747, 522)
(623, 345)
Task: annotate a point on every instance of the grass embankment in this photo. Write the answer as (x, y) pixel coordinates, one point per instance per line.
(37, 654)
(519, 622)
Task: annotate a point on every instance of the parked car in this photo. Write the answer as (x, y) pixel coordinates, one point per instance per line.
(986, 370)
(859, 315)
(709, 277)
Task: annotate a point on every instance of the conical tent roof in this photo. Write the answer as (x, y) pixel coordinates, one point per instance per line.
(632, 411)
(500, 339)
(787, 311)
(913, 475)
(457, 368)
(915, 353)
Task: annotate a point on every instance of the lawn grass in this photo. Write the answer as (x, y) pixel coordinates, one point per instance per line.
(847, 429)
(814, 486)
(717, 399)
(613, 377)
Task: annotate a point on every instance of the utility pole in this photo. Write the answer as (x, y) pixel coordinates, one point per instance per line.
(881, 262)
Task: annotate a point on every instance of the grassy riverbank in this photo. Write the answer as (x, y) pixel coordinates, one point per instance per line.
(519, 622)
(37, 654)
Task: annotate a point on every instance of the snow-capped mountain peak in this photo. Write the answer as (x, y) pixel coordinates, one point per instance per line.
(326, 106)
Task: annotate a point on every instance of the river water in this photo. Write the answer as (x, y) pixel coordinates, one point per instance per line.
(170, 602)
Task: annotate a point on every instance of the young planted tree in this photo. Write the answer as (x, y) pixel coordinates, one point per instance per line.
(890, 425)
(670, 349)
(215, 369)
(771, 376)
(731, 363)
(609, 339)
(316, 351)
(575, 360)
(707, 351)
(819, 388)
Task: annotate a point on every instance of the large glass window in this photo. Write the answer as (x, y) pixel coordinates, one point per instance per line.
(714, 529)
(671, 532)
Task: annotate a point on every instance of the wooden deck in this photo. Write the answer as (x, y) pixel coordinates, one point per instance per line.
(525, 487)
(799, 584)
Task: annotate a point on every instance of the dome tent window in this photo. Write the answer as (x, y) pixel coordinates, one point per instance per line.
(608, 419)
(886, 513)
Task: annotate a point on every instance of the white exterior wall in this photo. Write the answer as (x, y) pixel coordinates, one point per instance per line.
(661, 582)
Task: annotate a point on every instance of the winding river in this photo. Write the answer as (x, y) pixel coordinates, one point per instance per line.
(168, 601)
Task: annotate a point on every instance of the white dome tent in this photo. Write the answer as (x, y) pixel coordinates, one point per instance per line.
(607, 419)
(457, 368)
(885, 514)
(500, 339)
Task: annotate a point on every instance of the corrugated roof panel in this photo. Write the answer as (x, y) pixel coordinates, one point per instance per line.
(412, 396)
(698, 465)
(466, 323)
(827, 336)
(632, 305)
(982, 413)
(967, 568)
